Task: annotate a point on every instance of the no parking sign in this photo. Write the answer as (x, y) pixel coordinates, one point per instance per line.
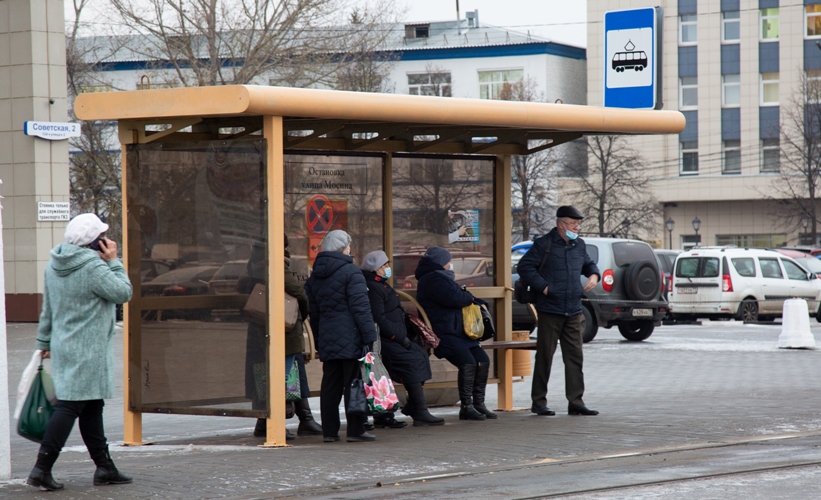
(632, 58)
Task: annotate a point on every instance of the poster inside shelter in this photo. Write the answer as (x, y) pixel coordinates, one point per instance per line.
(463, 226)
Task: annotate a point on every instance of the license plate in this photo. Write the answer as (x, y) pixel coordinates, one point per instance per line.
(642, 312)
(690, 289)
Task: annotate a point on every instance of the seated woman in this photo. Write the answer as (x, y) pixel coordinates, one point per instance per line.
(443, 300)
(406, 361)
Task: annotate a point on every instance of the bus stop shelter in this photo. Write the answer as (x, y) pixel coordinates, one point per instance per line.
(210, 173)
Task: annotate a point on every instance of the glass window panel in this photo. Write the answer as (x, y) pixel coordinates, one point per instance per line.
(731, 26)
(732, 162)
(793, 271)
(744, 266)
(769, 24)
(770, 268)
(732, 90)
(492, 82)
(813, 15)
(688, 29)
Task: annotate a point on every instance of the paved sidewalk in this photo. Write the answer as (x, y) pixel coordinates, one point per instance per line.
(685, 386)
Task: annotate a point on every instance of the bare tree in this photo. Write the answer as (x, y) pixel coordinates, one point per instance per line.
(219, 42)
(799, 181)
(533, 176)
(614, 190)
(366, 70)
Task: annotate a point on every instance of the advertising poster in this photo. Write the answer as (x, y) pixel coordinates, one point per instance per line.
(463, 226)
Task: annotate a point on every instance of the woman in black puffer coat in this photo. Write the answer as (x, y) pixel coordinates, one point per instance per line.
(340, 315)
(443, 300)
(406, 361)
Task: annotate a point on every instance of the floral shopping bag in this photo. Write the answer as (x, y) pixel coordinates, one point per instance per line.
(379, 390)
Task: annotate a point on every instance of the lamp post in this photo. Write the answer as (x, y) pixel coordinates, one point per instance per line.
(805, 221)
(626, 225)
(670, 225)
(696, 227)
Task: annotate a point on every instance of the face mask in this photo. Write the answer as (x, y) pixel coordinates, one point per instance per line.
(388, 273)
(570, 234)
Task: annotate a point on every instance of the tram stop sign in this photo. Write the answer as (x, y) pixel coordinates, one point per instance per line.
(632, 58)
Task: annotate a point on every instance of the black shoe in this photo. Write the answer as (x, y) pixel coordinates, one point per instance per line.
(289, 436)
(468, 412)
(389, 422)
(307, 424)
(423, 418)
(417, 407)
(368, 426)
(109, 475)
(261, 429)
(581, 410)
(479, 386)
(45, 480)
(361, 438)
(330, 439)
(542, 410)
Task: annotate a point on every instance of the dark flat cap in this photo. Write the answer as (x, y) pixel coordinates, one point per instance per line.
(568, 211)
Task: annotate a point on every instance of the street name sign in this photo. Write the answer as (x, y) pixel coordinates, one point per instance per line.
(53, 131)
(632, 58)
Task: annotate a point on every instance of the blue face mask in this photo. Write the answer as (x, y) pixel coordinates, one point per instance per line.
(388, 273)
(570, 234)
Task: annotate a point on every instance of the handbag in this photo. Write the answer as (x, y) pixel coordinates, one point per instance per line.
(490, 329)
(380, 393)
(292, 385)
(37, 409)
(357, 402)
(419, 331)
(522, 292)
(472, 323)
(256, 307)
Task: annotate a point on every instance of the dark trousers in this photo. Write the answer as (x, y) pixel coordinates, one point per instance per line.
(472, 356)
(61, 422)
(568, 330)
(337, 375)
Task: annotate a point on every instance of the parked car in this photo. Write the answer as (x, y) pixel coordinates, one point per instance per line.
(741, 283)
(628, 296)
(806, 249)
(191, 280)
(667, 258)
(471, 268)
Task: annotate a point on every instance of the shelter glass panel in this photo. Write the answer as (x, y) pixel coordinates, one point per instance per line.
(197, 246)
(446, 202)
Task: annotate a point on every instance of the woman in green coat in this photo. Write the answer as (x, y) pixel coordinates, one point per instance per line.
(83, 282)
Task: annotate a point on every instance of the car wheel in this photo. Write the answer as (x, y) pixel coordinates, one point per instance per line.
(637, 331)
(748, 311)
(591, 328)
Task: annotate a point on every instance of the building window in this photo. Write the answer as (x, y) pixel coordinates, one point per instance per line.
(751, 240)
(731, 91)
(88, 89)
(730, 26)
(688, 92)
(769, 89)
(436, 84)
(731, 159)
(770, 155)
(689, 157)
(492, 82)
(812, 14)
(769, 24)
(687, 30)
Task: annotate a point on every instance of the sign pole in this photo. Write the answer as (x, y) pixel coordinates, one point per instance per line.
(5, 428)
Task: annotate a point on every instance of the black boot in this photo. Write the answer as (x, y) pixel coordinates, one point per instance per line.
(479, 386)
(387, 421)
(106, 472)
(421, 415)
(307, 424)
(261, 429)
(465, 381)
(40, 475)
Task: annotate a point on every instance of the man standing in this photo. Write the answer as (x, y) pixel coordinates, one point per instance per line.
(553, 265)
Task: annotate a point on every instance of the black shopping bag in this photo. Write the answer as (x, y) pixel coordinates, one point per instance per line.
(490, 329)
(37, 410)
(357, 402)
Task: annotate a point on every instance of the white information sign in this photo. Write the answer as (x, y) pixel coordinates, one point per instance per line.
(53, 131)
(53, 211)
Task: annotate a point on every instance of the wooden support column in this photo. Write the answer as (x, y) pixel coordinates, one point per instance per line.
(504, 311)
(273, 133)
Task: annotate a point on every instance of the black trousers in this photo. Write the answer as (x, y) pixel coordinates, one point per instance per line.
(471, 356)
(568, 330)
(337, 375)
(61, 422)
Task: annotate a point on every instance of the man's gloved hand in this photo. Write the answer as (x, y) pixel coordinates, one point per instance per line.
(406, 343)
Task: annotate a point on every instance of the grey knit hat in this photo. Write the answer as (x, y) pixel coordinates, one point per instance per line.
(336, 241)
(438, 255)
(374, 260)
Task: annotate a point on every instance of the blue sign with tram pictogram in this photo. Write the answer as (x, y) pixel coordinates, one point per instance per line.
(632, 58)
(319, 214)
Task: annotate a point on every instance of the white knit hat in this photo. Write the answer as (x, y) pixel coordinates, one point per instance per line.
(84, 229)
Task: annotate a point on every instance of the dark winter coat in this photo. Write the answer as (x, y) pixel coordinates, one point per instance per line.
(443, 299)
(568, 260)
(407, 366)
(340, 310)
(294, 338)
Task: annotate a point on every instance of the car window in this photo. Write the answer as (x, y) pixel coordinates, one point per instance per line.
(593, 252)
(709, 268)
(812, 264)
(517, 255)
(232, 271)
(465, 266)
(627, 252)
(770, 268)
(744, 266)
(670, 259)
(793, 271)
(687, 267)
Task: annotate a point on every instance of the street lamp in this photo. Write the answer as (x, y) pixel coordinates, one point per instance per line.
(805, 221)
(670, 225)
(626, 225)
(696, 227)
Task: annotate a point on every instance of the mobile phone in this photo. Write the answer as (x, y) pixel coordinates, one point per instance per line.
(95, 245)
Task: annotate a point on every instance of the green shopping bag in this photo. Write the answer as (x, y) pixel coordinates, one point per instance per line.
(293, 391)
(37, 409)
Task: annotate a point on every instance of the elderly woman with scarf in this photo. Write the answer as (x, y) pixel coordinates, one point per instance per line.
(443, 300)
(406, 361)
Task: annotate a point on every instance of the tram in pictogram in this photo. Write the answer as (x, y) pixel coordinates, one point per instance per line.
(630, 59)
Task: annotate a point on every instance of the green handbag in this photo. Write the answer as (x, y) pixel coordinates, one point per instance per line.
(37, 409)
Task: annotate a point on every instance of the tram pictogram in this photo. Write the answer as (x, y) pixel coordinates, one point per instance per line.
(630, 59)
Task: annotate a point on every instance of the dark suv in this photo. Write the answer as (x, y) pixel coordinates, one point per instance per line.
(628, 296)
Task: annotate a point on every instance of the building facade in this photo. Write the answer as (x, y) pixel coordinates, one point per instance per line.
(734, 68)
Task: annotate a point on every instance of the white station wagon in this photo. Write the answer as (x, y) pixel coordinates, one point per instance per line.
(743, 283)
